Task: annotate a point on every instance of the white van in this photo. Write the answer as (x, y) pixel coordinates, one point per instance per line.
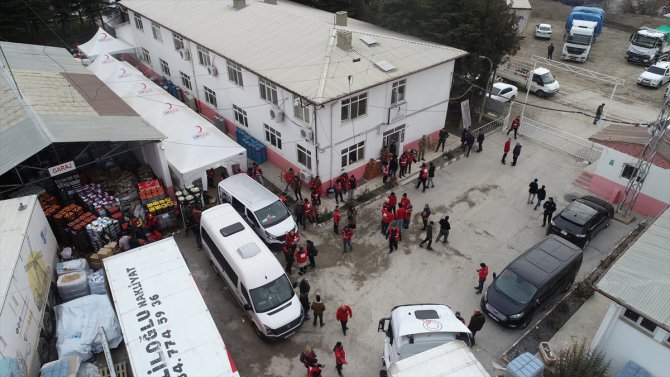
(262, 209)
(252, 272)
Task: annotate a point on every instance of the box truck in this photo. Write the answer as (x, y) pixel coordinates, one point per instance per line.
(166, 325)
(540, 79)
(28, 255)
(426, 340)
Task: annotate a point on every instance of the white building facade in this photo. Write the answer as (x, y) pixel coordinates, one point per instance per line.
(323, 93)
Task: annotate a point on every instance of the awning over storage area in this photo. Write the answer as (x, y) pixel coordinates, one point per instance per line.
(104, 43)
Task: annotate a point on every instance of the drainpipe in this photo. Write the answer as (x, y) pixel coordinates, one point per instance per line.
(316, 142)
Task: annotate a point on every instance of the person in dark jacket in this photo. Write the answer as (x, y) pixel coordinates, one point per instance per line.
(541, 194)
(393, 165)
(318, 308)
(532, 191)
(469, 142)
(304, 286)
(549, 208)
(311, 253)
(476, 323)
(480, 141)
(431, 175)
(429, 236)
(297, 187)
(441, 139)
(515, 153)
(304, 301)
(288, 255)
(444, 229)
(299, 210)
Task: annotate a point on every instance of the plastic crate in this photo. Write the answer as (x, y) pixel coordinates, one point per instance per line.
(525, 365)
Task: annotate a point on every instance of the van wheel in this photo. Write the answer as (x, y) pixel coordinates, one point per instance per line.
(539, 93)
(609, 221)
(512, 99)
(526, 322)
(257, 331)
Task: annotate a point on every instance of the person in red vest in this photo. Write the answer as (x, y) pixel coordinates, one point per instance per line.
(386, 171)
(258, 173)
(506, 148)
(394, 236)
(423, 177)
(387, 217)
(315, 369)
(343, 314)
(404, 201)
(292, 238)
(403, 164)
(282, 197)
(340, 357)
(315, 184)
(400, 217)
(309, 211)
(288, 178)
(408, 216)
(347, 234)
(337, 215)
(301, 257)
(393, 201)
(482, 273)
(337, 188)
(515, 126)
(316, 197)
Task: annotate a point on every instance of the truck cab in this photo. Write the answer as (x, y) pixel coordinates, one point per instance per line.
(412, 329)
(647, 46)
(579, 40)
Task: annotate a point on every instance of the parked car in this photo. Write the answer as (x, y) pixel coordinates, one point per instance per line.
(543, 31)
(532, 281)
(581, 220)
(503, 92)
(656, 75)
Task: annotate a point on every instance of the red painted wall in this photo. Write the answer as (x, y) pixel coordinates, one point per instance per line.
(644, 205)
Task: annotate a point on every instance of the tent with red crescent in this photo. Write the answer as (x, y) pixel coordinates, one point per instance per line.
(104, 43)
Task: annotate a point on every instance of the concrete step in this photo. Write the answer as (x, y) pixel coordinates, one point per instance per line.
(583, 180)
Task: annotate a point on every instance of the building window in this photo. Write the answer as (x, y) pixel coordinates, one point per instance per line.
(648, 325)
(146, 57)
(304, 157)
(210, 96)
(640, 320)
(631, 315)
(235, 73)
(138, 22)
(156, 31)
(165, 68)
(268, 90)
(354, 107)
(353, 154)
(398, 92)
(301, 110)
(629, 171)
(178, 41)
(185, 80)
(272, 136)
(240, 116)
(203, 56)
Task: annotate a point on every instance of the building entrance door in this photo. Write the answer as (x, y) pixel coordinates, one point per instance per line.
(393, 139)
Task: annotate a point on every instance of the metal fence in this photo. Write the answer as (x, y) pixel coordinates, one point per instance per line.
(552, 137)
(491, 126)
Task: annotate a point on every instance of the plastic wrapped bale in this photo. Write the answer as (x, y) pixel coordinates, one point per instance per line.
(96, 283)
(72, 285)
(75, 265)
(88, 370)
(77, 325)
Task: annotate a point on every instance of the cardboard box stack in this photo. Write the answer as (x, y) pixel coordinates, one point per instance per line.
(101, 226)
(60, 220)
(96, 200)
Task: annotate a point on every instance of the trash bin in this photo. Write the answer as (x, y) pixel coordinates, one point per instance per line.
(547, 353)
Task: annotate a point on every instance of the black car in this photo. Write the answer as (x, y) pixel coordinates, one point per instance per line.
(581, 220)
(532, 281)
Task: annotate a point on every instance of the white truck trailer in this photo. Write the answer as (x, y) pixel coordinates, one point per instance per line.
(425, 340)
(579, 40)
(28, 255)
(540, 79)
(166, 325)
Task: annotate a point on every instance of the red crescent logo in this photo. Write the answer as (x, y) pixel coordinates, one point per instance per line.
(104, 35)
(169, 106)
(144, 86)
(123, 71)
(199, 128)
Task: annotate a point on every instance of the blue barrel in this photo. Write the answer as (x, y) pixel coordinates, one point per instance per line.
(264, 154)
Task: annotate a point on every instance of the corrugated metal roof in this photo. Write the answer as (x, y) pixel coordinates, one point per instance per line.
(62, 102)
(640, 278)
(295, 45)
(631, 135)
(519, 4)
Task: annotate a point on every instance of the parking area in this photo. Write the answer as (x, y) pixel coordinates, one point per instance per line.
(491, 223)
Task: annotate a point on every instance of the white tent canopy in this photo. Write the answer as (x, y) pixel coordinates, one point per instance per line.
(103, 43)
(193, 144)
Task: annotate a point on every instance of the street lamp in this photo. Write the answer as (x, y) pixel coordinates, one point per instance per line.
(487, 89)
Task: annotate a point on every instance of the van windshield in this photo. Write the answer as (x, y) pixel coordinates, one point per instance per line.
(272, 214)
(271, 295)
(547, 78)
(515, 287)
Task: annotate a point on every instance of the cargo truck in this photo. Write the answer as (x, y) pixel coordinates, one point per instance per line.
(540, 80)
(28, 256)
(593, 17)
(579, 40)
(647, 45)
(426, 340)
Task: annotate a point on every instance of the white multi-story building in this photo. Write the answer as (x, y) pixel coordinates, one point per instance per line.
(324, 93)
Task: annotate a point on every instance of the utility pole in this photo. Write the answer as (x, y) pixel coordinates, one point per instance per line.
(657, 131)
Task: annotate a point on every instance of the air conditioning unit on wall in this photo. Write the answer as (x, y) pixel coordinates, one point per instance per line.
(276, 114)
(307, 134)
(305, 176)
(185, 54)
(211, 70)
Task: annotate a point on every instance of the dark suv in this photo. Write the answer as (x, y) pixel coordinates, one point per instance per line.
(581, 220)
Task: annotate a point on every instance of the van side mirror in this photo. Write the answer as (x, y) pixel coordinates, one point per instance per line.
(247, 307)
(380, 326)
